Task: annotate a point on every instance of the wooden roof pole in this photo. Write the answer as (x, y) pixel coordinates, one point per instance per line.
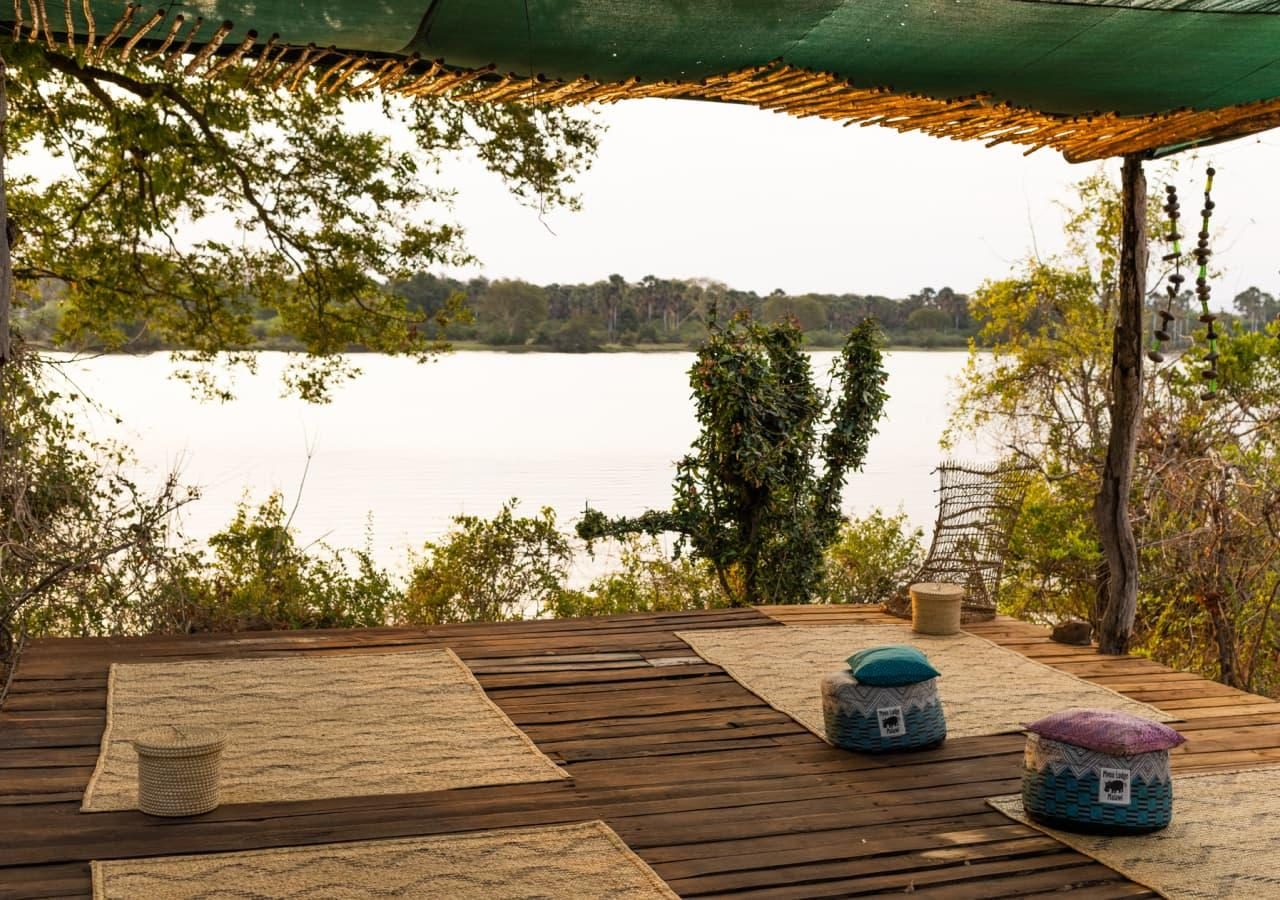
(1118, 591)
(6, 264)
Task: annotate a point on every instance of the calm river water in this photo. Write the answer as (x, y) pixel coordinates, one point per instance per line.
(405, 447)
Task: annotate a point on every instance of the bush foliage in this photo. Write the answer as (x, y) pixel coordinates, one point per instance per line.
(872, 557)
(1206, 498)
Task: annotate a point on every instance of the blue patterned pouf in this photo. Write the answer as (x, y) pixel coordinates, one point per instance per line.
(1077, 789)
(881, 719)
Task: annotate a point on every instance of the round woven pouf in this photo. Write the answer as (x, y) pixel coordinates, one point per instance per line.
(935, 607)
(881, 719)
(178, 770)
(1099, 771)
(1077, 789)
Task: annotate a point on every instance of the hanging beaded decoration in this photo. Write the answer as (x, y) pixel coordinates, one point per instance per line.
(1160, 330)
(1202, 253)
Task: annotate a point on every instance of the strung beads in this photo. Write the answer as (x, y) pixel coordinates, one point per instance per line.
(1160, 327)
(1160, 332)
(1203, 290)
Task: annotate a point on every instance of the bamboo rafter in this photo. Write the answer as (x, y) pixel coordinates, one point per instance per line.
(774, 86)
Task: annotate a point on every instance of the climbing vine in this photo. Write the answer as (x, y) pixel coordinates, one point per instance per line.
(750, 497)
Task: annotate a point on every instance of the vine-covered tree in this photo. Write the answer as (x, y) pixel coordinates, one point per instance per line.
(749, 497)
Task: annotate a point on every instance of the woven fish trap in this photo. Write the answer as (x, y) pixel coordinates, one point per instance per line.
(178, 770)
(1076, 789)
(874, 719)
(978, 505)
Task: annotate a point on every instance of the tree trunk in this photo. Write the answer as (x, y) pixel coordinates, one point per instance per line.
(1215, 601)
(1111, 507)
(6, 264)
(1224, 636)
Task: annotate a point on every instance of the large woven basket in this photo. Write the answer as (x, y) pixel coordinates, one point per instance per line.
(1076, 789)
(935, 607)
(873, 719)
(178, 770)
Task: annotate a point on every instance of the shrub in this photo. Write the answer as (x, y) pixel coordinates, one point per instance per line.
(749, 497)
(649, 581)
(871, 558)
(259, 578)
(488, 570)
(574, 336)
(79, 541)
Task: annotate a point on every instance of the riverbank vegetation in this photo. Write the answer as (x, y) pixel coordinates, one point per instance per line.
(662, 314)
(611, 314)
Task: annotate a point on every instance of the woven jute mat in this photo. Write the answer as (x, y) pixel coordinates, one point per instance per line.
(311, 727)
(586, 860)
(1224, 840)
(985, 688)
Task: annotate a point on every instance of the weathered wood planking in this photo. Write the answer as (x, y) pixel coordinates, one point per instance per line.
(721, 794)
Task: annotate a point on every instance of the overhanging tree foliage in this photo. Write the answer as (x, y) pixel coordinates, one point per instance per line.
(749, 497)
(299, 207)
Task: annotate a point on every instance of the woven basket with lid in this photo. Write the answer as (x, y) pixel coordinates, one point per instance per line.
(178, 769)
(935, 607)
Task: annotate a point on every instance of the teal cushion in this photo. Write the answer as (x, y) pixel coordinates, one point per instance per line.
(892, 664)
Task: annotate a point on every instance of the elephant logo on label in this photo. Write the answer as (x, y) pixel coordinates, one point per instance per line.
(1113, 786)
(891, 721)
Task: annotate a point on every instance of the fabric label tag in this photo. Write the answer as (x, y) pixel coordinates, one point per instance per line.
(891, 721)
(1113, 786)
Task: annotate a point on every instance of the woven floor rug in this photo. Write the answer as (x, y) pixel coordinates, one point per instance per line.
(985, 689)
(566, 861)
(309, 727)
(1224, 840)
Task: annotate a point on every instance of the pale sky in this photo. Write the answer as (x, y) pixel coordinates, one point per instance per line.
(761, 200)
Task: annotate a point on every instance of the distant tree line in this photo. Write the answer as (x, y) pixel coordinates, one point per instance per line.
(613, 312)
(580, 318)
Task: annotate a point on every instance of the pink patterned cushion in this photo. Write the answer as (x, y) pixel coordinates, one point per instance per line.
(1106, 731)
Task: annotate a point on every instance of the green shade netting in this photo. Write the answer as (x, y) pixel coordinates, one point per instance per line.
(1125, 56)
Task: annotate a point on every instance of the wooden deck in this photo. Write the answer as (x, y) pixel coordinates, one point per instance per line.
(721, 794)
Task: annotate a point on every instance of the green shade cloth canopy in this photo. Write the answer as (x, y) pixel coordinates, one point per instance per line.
(1187, 71)
(1066, 58)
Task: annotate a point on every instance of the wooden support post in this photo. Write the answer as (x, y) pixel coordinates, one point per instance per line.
(6, 263)
(1118, 594)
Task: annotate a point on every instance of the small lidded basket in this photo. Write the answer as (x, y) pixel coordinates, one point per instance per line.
(935, 607)
(178, 770)
(887, 700)
(1099, 771)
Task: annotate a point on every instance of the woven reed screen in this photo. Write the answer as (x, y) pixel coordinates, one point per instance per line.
(978, 506)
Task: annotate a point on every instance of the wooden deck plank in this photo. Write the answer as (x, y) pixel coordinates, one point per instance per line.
(722, 794)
